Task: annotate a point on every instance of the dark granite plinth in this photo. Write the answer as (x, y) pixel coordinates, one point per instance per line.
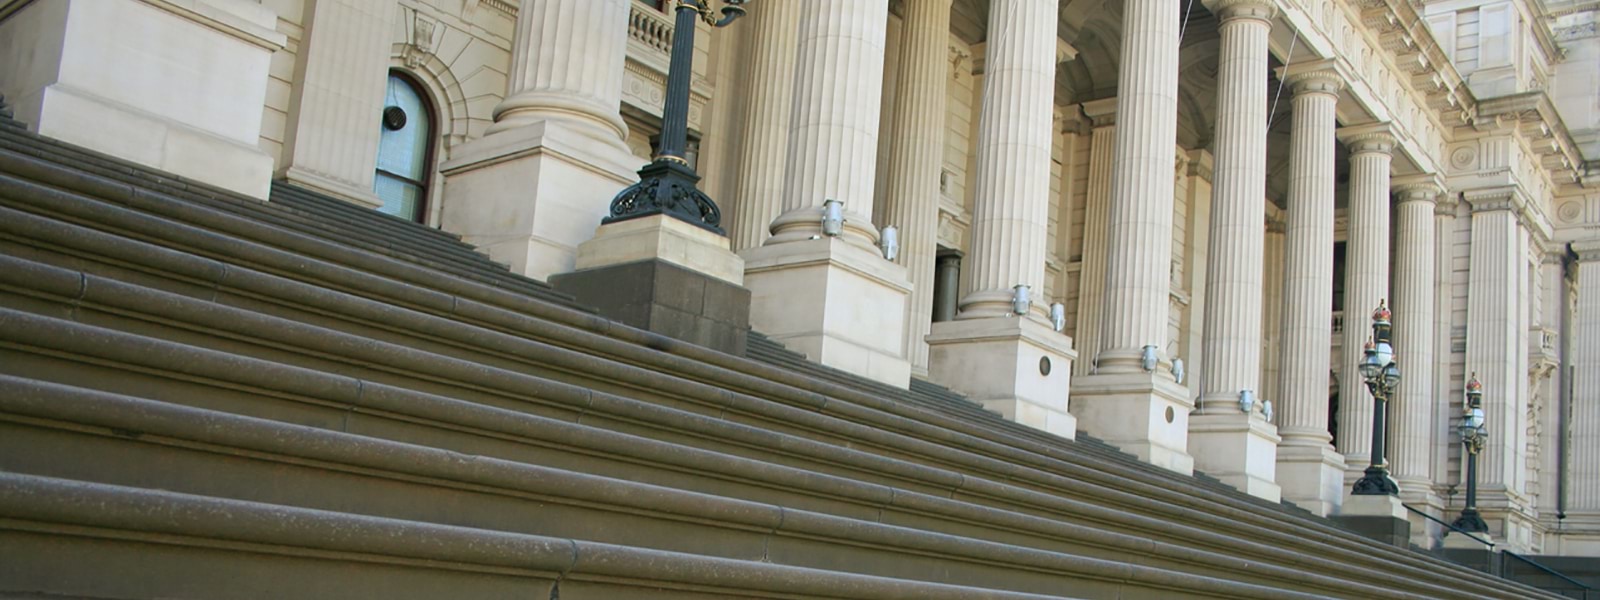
(667, 299)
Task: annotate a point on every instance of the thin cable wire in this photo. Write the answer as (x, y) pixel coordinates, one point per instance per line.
(1185, 27)
(1288, 60)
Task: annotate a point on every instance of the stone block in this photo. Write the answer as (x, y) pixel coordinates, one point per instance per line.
(1238, 448)
(837, 302)
(665, 298)
(1017, 366)
(530, 196)
(176, 85)
(1311, 476)
(1144, 414)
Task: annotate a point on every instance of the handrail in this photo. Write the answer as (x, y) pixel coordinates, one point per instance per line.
(1491, 545)
(1449, 526)
(1546, 569)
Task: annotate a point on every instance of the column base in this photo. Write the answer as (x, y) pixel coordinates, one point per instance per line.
(1382, 518)
(1239, 449)
(664, 275)
(529, 196)
(1016, 366)
(1146, 414)
(839, 303)
(1311, 476)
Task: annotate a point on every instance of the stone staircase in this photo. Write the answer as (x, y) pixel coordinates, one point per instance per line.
(208, 396)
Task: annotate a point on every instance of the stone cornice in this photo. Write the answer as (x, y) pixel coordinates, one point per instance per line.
(1102, 112)
(1533, 116)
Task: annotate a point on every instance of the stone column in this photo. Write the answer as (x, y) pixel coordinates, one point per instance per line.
(989, 352)
(1229, 440)
(566, 64)
(1584, 472)
(1366, 284)
(1495, 330)
(916, 155)
(833, 298)
(1097, 206)
(537, 185)
(1413, 323)
(758, 199)
(1310, 471)
(1142, 411)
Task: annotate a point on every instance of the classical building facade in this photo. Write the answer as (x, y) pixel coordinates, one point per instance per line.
(1161, 223)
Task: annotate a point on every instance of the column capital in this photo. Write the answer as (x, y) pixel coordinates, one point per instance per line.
(1318, 79)
(1425, 191)
(1368, 139)
(1102, 112)
(1587, 251)
(1228, 10)
(1445, 205)
(1494, 199)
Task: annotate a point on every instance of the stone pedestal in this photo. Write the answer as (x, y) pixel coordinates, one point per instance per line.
(1018, 366)
(664, 275)
(836, 301)
(1239, 449)
(1381, 518)
(528, 196)
(1311, 475)
(1144, 414)
(1457, 542)
(154, 82)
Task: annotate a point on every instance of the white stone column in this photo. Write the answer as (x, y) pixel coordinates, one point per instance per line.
(989, 352)
(1096, 213)
(1584, 462)
(916, 156)
(1495, 329)
(331, 145)
(1413, 408)
(1229, 440)
(1012, 184)
(1142, 411)
(537, 185)
(1310, 472)
(566, 64)
(833, 298)
(769, 97)
(1366, 284)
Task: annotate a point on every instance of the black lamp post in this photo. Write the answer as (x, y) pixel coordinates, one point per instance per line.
(1473, 437)
(667, 184)
(1382, 377)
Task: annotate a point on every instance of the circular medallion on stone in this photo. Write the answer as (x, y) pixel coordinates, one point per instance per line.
(1171, 414)
(1570, 212)
(1044, 365)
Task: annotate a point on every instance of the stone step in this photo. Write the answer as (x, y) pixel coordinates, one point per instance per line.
(184, 545)
(94, 290)
(290, 299)
(410, 242)
(186, 450)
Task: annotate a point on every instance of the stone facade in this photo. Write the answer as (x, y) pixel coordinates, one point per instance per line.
(1189, 181)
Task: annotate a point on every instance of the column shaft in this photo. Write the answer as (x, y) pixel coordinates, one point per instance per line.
(1413, 322)
(1584, 476)
(1495, 328)
(1238, 194)
(567, 61)
(916, 153)
(1366, 283)
(1012, 197)
(1140, 225)
(1092, 282)
(332, 145)
(833, 127)
(763, 155)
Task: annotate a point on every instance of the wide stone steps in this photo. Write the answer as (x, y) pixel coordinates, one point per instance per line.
(257, 347)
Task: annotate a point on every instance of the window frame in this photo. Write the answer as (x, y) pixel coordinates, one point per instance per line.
(425, 185)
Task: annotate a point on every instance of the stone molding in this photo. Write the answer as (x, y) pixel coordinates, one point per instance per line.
(1493, 199)
(1587, 251)
(1102, 112)
(1374, 142)
(1323, 80)
(1228, 10)
(1417, 192)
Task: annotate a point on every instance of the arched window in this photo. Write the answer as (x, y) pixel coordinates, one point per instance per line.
(405, 148)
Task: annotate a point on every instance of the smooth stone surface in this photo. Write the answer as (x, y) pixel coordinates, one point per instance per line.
(999, 362)
(661, 296)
